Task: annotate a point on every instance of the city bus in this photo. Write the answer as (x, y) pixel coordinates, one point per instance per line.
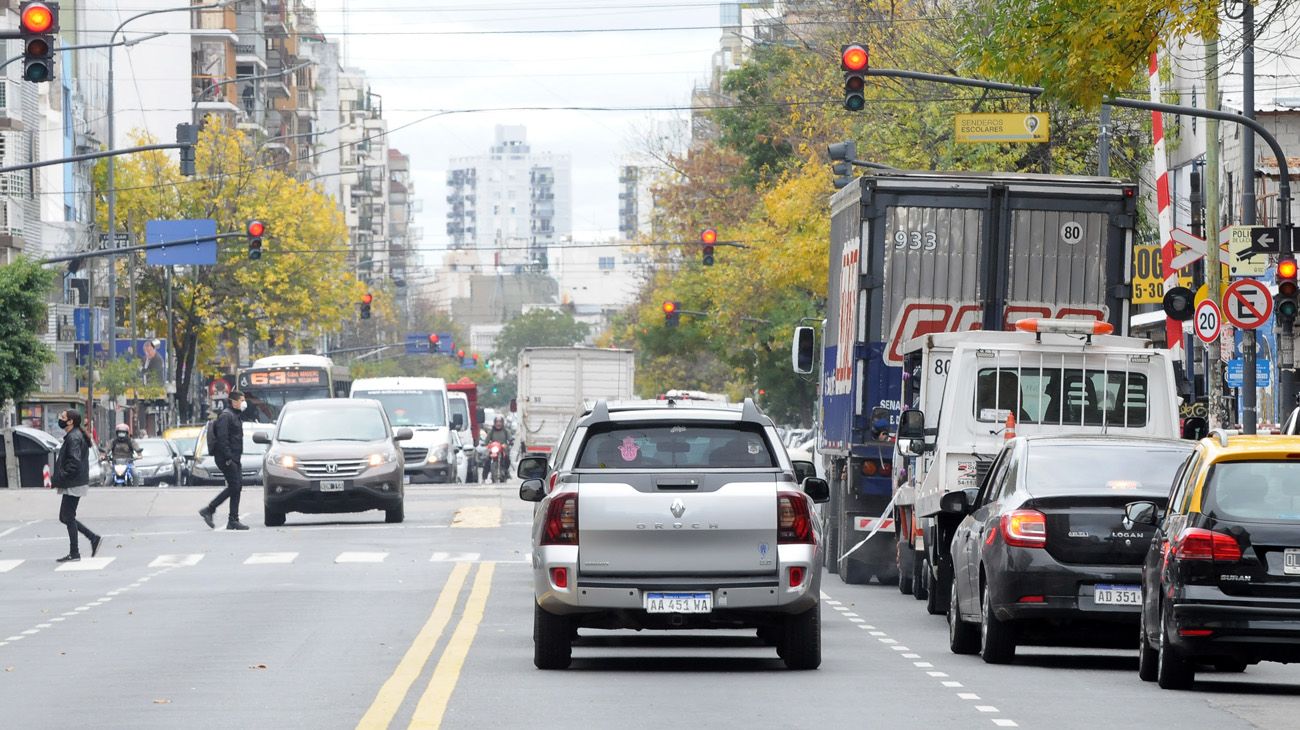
(273, 381)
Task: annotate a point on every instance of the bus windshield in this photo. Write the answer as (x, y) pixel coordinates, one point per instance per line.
(410, 408)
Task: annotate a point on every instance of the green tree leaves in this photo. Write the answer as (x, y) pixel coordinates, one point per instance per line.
(538, 328)
(24, 286)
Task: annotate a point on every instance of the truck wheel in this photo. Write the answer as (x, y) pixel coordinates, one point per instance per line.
(963, 638)
(802, 642)
(552, 640)
(938, 587)
(1173, 669)
(888, 577)
(997, 638)
(854, 572)
(904, 557)
(919, 572)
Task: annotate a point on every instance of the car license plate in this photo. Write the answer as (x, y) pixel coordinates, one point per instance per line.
(1291, 561)
(332, 485)
(1117, 595)
(679, 602)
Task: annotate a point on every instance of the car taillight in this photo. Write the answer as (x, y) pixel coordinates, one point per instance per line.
(1198, 544)
(562, 521)
(1025, 528)
(793, 519)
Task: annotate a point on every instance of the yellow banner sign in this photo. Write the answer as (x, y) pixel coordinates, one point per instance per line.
(978, 128)
(1148, 282)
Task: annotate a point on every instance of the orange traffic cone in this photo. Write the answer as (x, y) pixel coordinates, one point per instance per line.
(1010, 431)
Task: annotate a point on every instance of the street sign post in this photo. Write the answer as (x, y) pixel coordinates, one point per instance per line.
(1207, 321)
(1247, 304)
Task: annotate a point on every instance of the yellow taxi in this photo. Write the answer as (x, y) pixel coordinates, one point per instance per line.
(1221, 580)
(184, 438)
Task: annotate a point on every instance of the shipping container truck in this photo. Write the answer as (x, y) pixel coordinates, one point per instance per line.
(919, 253)
(554, 382)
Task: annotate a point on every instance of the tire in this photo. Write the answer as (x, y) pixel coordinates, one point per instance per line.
(1147, 655)
(919, 572)
(396, 514)
(997, 638)
(273, 518)
(854, 572)
(963, 638)
(1173, 669)
(906, 559)
(802, 640)
(552, 640)
(938, 589)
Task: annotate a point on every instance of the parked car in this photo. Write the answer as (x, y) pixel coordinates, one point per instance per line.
(205, 471)
(1044, 550)
(333, 455)
(1221, 581)
(159, 463)
(742, 547)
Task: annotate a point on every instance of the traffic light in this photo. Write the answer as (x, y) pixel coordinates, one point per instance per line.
(671, 315)
(37, 24)
(366, 299)
(842, 155)
(255, 230)
(474, 357)
(460, 354)
(1287, 301)
(853, 61)
(188, 135)
(708, 237)
(1179, 304)
(433, 342)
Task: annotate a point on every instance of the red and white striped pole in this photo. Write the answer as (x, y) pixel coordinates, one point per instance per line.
(1160, 165)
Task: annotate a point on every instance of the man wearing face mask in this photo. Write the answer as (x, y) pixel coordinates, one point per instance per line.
(226, 444)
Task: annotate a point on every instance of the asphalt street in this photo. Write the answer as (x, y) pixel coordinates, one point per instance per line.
(347, 622)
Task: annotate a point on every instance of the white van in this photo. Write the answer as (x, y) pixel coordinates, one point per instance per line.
(468, 440)
(421, 405)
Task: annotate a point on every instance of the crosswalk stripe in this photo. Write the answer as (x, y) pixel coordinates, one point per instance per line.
(176, 561)
(8, 565)
(87, 564)
(271, 558)
(454, 558)
(360, 557)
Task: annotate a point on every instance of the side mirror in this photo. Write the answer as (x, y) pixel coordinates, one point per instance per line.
(532, 490)
(403, 434)
(802, 351)
(956, 503)
(911, 425)
(804, 470)
(1141, 513)
(531, 467)
(817, 489)
(457, 422)
(1195, 428)
(261, 437)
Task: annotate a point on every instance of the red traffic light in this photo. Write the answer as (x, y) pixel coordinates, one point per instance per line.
(854, 58)
(709, 236)
(460, 354)
(1286, 269)
(433, 339)
(37, 18)
(367, 298)
(670, 307)
(256, 228)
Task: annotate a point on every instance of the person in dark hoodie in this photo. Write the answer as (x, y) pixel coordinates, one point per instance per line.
(72, 478)
(226, 444)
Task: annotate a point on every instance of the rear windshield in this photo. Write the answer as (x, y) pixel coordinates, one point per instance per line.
(1062, 396)
(1254, 491)
(675, 446)
(1146, 471)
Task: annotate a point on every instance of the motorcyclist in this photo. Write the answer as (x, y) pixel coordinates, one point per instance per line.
(500, 434)
(124, 448)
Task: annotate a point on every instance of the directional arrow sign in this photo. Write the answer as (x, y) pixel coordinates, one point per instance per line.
(1263, 240)
(1248, 304)
(1207, 321)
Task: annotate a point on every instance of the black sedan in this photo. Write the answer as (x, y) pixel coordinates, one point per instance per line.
(159, 463)
(1043, 550)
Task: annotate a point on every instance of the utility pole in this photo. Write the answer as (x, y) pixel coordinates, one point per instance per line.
(1103, 143)
(1213, 271)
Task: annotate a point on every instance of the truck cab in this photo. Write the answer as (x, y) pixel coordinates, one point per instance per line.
(969, 392)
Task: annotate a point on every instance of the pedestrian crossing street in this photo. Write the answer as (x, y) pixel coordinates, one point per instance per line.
(187, 560)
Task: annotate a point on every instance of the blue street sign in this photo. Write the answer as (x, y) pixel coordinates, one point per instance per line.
(81, 321)
(1237, 368)
(197, 242)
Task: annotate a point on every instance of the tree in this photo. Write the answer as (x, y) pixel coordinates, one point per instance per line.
(538, 328)
(24, 286)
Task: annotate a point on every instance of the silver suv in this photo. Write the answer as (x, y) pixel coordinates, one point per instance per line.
(660, 515)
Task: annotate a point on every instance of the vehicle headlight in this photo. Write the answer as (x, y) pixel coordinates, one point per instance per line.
(438, 453)
(383, 457)
(285, 460)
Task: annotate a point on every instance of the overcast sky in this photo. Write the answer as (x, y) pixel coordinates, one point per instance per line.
(427, 66)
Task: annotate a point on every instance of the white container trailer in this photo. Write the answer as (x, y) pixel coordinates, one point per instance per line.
(554, 382)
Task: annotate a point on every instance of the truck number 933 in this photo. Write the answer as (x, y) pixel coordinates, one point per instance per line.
(915, 241)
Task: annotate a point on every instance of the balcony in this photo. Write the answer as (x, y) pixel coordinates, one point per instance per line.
(214, 23)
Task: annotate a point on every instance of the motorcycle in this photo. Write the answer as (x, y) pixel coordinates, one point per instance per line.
(498, 461)
(123, 473)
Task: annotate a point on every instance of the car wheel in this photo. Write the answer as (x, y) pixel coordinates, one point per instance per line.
(904, 557)
(963, 638)
(920, 591)
(802, 640)
(552, 640)
(1173, 669)
(938, 588)
(997, 638)
(1147, 656)
(396, 514)
(273, 518)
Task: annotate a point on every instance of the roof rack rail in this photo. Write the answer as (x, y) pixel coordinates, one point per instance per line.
(1222, 434)
(599, 413)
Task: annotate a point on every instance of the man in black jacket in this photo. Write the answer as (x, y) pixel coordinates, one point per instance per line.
(226, 444)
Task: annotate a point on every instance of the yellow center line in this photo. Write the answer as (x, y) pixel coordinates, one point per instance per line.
(433, 703)
(477, 517)
(392, 694)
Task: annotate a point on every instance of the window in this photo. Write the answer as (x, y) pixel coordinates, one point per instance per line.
(1254, 491)
(990, 486)
(332, 424)
(1183, 489)
(409, 407)
(676, 446)
(606, 263)
(1062, 396)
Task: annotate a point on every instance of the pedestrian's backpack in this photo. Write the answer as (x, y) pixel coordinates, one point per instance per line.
(212, 438)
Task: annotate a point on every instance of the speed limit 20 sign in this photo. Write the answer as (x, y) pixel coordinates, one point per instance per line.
(1207, 321)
